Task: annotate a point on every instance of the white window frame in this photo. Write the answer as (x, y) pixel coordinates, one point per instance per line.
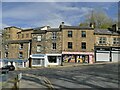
(102, 40)
(39, 48)
(39, 38)
(116, 40)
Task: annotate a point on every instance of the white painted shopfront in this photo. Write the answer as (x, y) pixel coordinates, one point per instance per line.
(45, 59)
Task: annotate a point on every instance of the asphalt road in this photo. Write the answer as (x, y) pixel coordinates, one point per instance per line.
(91, 76)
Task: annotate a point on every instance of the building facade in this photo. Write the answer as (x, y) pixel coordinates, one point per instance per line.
(45, 46)
(78, 44)
(107, 45)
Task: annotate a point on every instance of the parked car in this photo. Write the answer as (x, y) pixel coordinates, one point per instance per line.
(4, 71)
(9, 67)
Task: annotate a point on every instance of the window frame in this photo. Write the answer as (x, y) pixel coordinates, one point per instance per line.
(70, 33)
(70, 45)
(83, 34)
(54, 35)
(39, 38)
(54, 46)
(83, 45)
(39, 48)
(102, 40)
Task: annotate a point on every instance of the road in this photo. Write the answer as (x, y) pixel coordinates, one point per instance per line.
(91, 76)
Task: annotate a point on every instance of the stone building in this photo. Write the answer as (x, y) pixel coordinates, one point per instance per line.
(77, 44)
(46, 46)
(107, 44)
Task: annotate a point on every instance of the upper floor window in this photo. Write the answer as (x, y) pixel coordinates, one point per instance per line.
(102, 40)
(53, 35)
(6, 46)
(53, 45)
(116, 41)
(6, 54)
(83, 45)
(69, 45)
(27, 35)
(22, 35)
(38, 38)
(21, 46)
(20, 54)
(69, 33)
(39, 48)
(83, 33)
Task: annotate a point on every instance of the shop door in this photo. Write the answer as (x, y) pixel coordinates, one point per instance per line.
(103, 56)
(115, 56)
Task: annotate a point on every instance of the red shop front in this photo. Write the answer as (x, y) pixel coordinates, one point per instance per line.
(78, 57)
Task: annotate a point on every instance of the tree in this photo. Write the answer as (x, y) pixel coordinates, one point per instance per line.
(99, 18)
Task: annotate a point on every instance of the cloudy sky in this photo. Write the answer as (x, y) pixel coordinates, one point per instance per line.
(35, 14)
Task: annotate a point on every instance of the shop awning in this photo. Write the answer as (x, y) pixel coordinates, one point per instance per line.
(37, 55)
(85, 53)
(14, 60)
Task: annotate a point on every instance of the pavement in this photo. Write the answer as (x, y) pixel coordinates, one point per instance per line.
(28, 80)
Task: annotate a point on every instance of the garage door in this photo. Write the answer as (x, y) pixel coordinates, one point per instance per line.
(115, 56)
(102, 56)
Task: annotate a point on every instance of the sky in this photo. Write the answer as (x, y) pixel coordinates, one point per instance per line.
(31, 14)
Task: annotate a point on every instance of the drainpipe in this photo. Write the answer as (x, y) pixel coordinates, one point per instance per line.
(29, 53)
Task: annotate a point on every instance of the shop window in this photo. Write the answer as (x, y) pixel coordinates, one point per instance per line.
(52, 59)
(20, 64)
(53, 45)
(21, 46)
(69, 33)
(39, 48)
(102, 40)
(83, 33)
(69, 45)
(83, 45)
(116, 41)
(37, 62)
(38, 38)
(53, 35)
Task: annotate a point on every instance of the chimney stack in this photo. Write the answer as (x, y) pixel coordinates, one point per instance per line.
(114, 28)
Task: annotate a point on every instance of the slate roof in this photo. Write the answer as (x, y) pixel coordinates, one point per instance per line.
(76, 27)
(104, 32)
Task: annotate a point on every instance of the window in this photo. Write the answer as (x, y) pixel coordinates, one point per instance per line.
(39, 48)
(6, 47)
(21, 46)
(38, 38)
(38, 61)
(20, 54)
(102, 40)
(6, 54)
(20, 64)
(54, 35)
(83, 45)
(22, 35)
(52, 59)
(53, 45)
(116, 40)
(27, 35)
(83, 34)
(69, 45)
(69, 33)
(18, 35)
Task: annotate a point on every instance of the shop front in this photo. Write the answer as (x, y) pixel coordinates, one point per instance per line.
(54, 59)
(38, 60)
(78, 57)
